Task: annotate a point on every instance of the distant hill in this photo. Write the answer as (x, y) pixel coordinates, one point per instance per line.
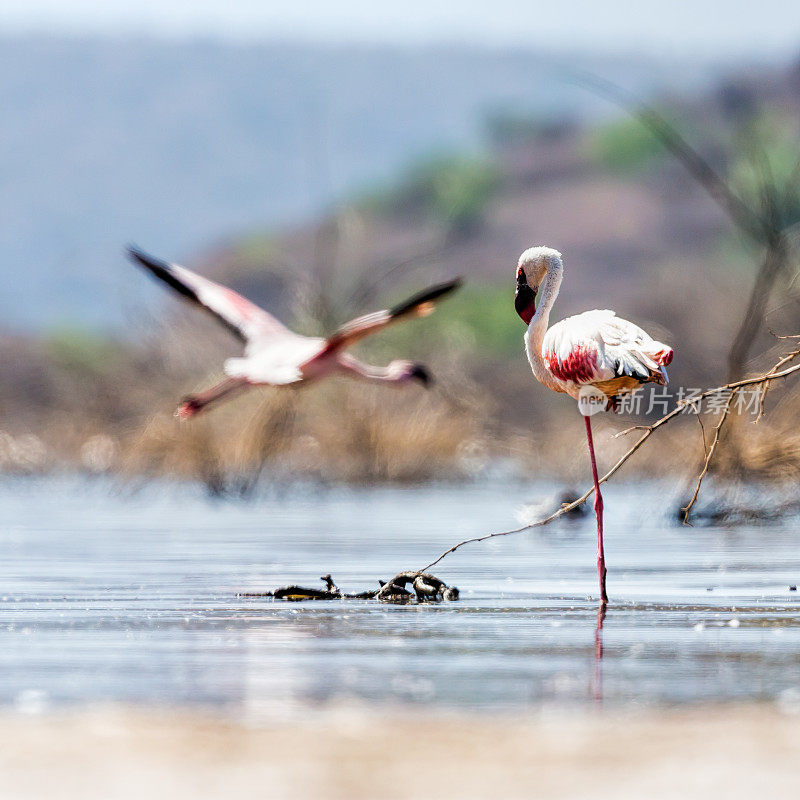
(176, 146)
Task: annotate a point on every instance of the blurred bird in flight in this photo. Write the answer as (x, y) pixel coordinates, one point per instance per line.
(276, 356)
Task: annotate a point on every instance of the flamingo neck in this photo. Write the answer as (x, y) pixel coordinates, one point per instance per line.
(393, 373)
(534, 336)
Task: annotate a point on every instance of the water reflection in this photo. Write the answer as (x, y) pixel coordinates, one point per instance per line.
(597, 686)
(135, 599)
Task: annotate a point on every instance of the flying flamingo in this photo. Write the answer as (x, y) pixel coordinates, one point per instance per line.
(276, 356)
(594, 357)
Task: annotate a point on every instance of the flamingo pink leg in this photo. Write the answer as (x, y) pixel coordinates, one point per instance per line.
(195, 403)
(598, 510)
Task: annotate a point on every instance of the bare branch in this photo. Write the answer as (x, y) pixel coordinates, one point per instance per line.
(697, 166)
(792, 183)
(382, 273)
(703, 434)
(762, 396)
(785, 360)
(709, 456)
(632, 428)
(775, 261)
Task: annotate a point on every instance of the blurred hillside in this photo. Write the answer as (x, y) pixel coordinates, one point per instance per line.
(175, 143)
(638, 235)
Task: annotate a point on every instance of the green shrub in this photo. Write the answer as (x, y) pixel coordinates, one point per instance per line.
(478, 321)
(624, 145)
(76, 349)
(453, 190)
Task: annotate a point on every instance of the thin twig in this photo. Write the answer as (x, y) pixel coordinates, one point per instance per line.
(382, 273)
(703, 434)
(785, 360)
(709, 456)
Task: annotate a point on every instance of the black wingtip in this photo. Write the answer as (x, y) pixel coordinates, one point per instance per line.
(164, 272)
(429, 295)
(137, 255)
(134, 252)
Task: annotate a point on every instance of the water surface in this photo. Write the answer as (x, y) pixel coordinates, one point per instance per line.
(116, 596)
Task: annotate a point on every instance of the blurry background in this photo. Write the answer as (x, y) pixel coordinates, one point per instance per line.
(324, 160)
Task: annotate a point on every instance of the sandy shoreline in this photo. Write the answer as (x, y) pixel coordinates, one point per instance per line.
(730, 752)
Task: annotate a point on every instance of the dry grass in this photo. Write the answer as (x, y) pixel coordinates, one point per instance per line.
(335, 431)
(343, 431)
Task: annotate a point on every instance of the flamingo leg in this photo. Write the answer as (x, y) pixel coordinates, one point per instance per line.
(195, 403)
(598, 511)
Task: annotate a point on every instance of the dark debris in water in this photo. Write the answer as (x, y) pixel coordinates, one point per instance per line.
(425, 588)
(719, 512)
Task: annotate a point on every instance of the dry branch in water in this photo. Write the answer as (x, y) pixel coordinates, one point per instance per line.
(763, 380)
(427, 588)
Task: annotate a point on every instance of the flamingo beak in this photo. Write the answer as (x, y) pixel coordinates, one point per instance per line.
(524, 298)
(421, 373)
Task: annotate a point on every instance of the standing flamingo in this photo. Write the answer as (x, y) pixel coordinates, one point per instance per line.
(276, 356)
(594, 356)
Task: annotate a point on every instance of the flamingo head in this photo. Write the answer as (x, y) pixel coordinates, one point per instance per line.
(533, 265)
(410, 371)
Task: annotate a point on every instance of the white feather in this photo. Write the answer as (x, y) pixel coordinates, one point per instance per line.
(620, 347)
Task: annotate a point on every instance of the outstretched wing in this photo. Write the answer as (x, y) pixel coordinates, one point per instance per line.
(420, 305)
(244, 319)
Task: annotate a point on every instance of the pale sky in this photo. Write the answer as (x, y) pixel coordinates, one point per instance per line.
(767, 29)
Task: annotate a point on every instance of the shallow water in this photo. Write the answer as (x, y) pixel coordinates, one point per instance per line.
(110, 595)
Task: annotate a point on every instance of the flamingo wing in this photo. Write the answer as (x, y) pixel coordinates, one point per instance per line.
(633, 352)
(599, 346)
(244, 319)
(419, 305)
